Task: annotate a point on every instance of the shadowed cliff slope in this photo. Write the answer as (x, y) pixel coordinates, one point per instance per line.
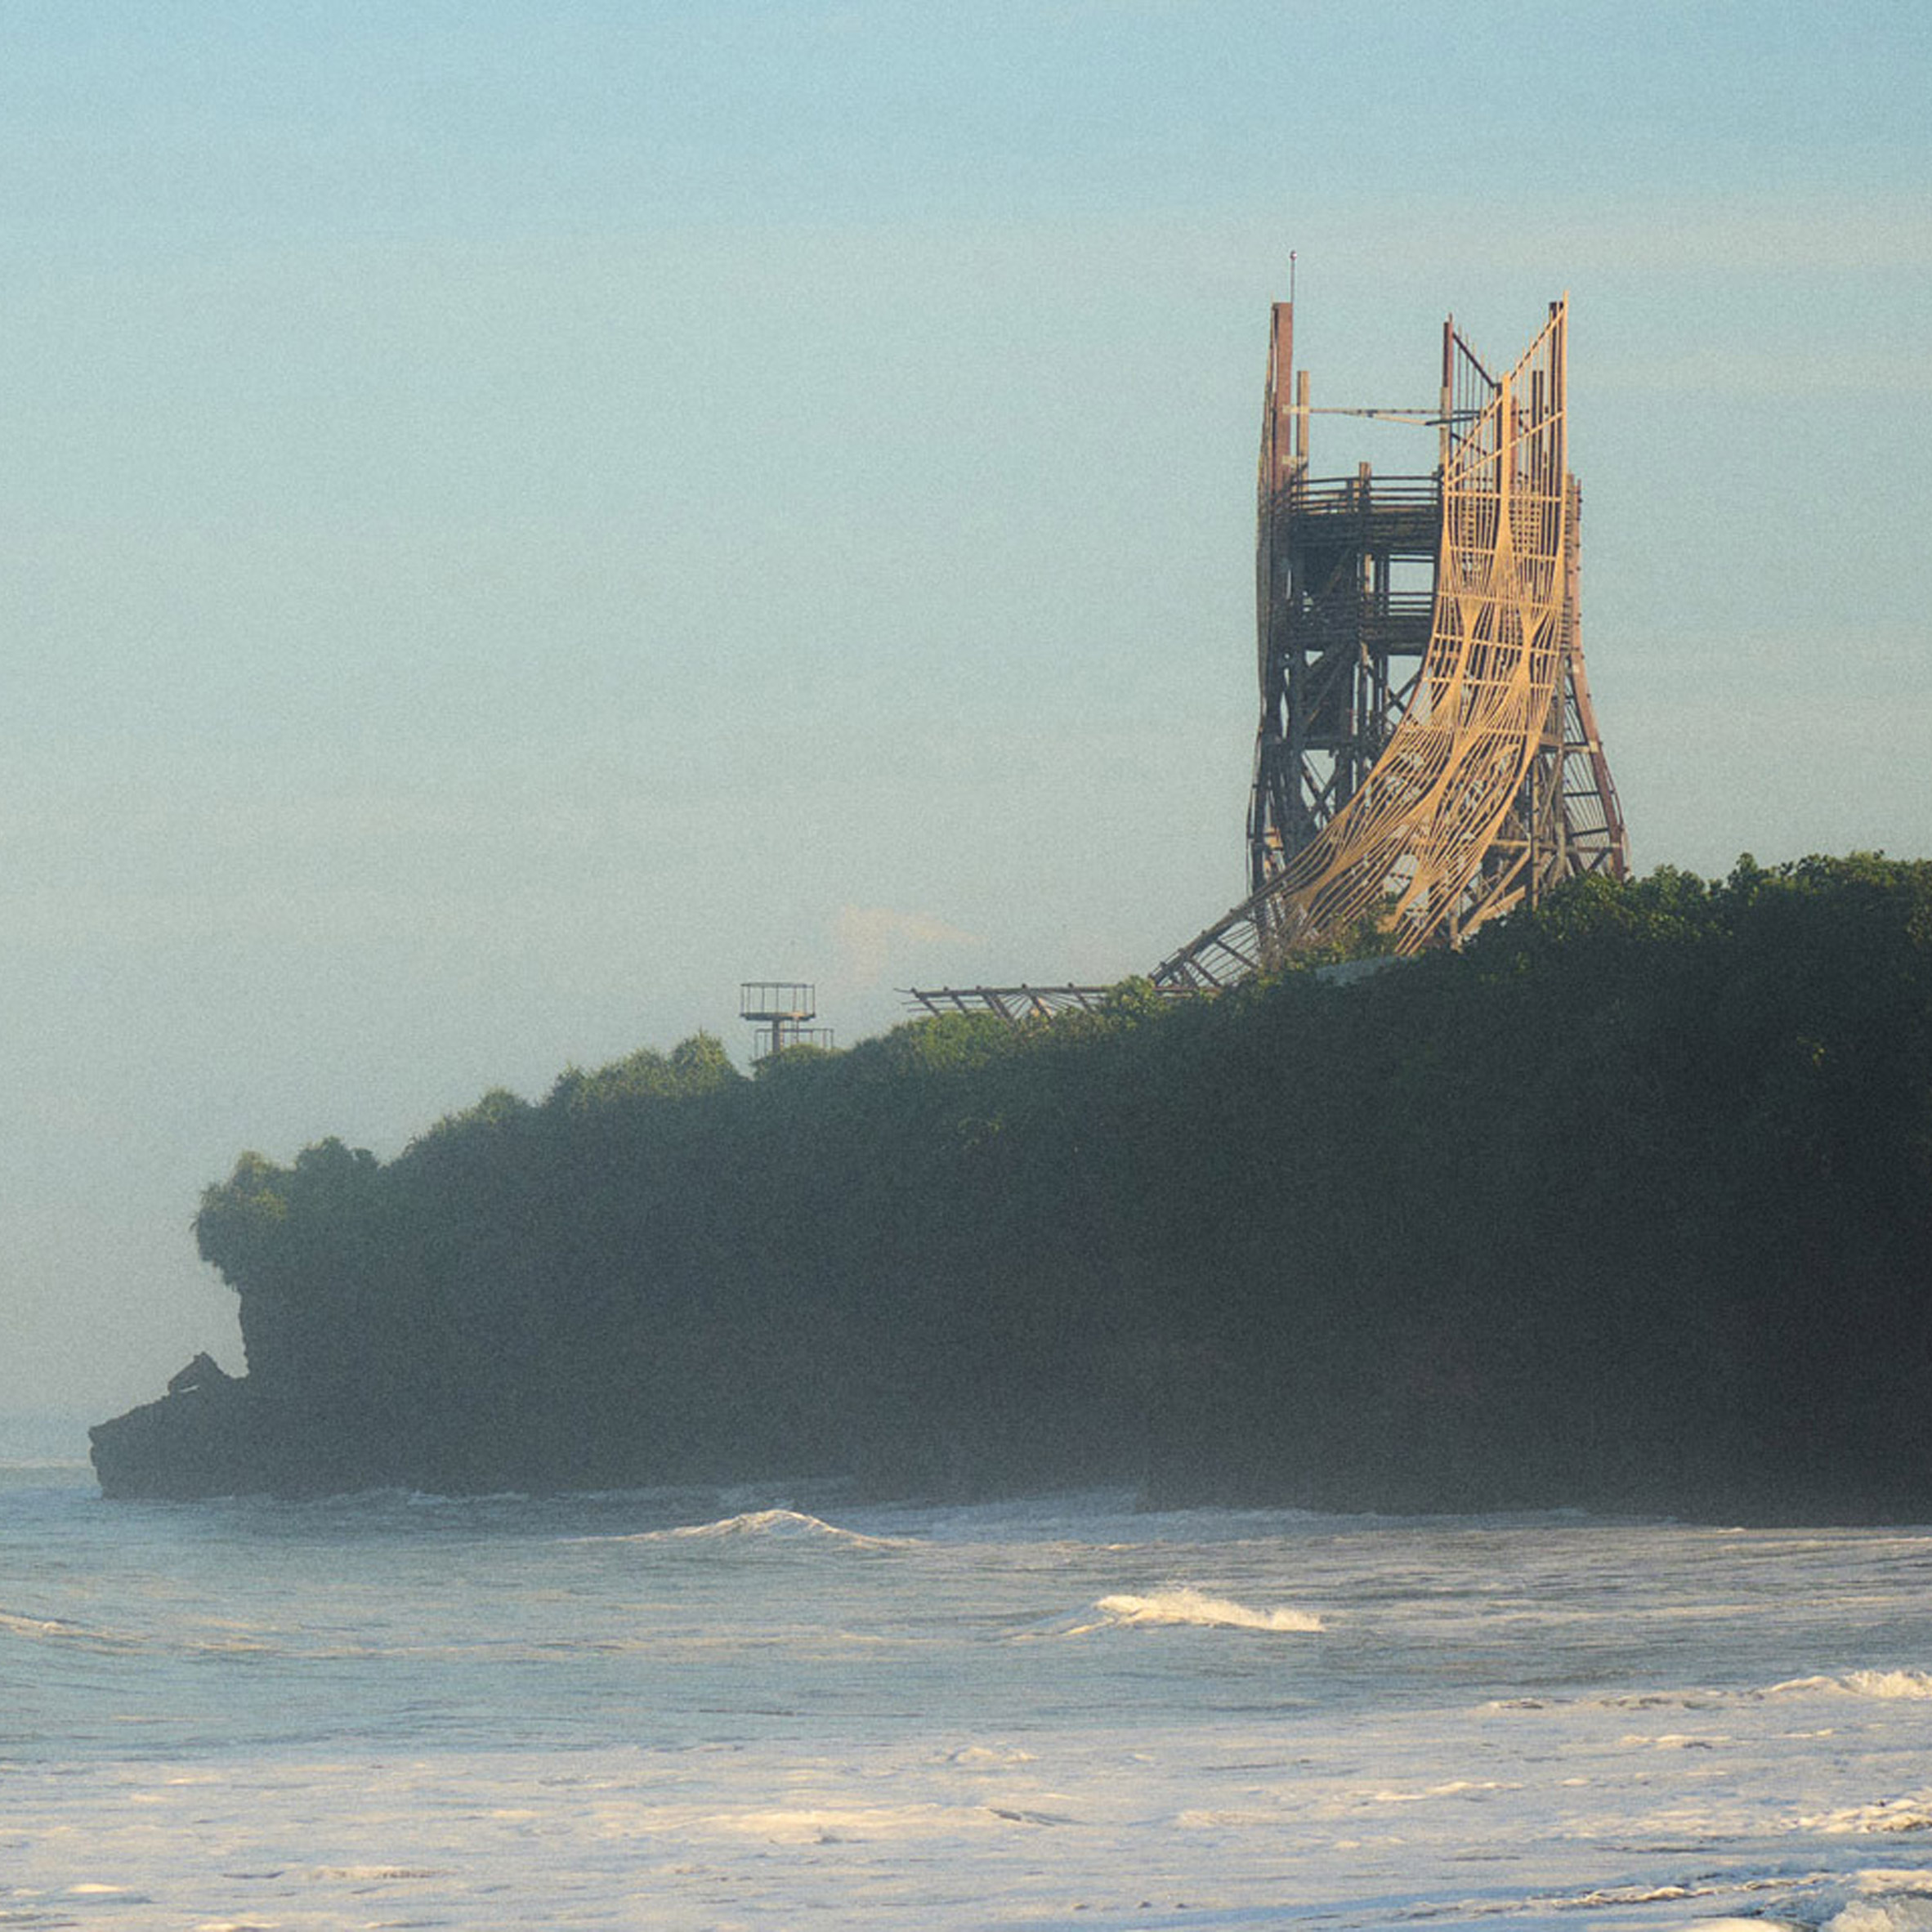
(1629, 1205)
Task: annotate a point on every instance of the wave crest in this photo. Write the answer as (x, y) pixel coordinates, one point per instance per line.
(782, 1526)
(1887, 1684)
(1181, 1605)
(1861, 1683)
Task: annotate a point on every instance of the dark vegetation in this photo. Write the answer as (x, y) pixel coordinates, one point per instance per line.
(1628, 1205)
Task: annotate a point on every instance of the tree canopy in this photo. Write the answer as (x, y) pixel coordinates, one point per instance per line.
(1630, 1201)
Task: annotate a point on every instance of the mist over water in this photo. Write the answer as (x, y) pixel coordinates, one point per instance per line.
(704, 1710)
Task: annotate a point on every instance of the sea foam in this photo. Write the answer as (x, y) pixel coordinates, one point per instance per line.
(1910, 1814)
(1180, 1605)
(1861, 1683)
(1911, 1913)
(59, 1630)
(1887, 1686)
(500, 1714)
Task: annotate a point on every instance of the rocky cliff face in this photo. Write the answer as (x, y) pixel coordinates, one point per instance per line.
(207, 1440)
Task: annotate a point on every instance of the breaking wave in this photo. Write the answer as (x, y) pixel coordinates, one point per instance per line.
(777, 1526)
(1891, 1685)
(1182, 1606)
(1861, 1683)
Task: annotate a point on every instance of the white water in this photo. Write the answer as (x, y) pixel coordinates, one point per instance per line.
(774, 1711)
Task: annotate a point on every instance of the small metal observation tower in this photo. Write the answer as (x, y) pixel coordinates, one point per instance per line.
(784, 1010)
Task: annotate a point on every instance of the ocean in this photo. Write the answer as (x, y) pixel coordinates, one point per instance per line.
(787, 1708)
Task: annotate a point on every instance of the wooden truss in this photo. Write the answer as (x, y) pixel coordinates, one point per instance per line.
(1407, 805)
(1427, 757)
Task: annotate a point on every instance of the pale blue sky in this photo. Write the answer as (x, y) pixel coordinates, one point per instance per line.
(517, 517)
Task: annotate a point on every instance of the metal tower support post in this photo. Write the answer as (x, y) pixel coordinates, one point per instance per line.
(1344, 583)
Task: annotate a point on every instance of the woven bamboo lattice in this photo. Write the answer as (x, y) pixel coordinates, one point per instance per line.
(1427, 757)
(1492, 781)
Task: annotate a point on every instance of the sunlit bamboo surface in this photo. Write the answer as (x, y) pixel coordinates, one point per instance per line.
(1452, 794)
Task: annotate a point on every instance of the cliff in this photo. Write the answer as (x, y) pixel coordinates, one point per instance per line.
(1629, 1206)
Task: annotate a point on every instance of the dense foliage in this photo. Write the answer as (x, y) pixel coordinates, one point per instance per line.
(1629, 1202)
